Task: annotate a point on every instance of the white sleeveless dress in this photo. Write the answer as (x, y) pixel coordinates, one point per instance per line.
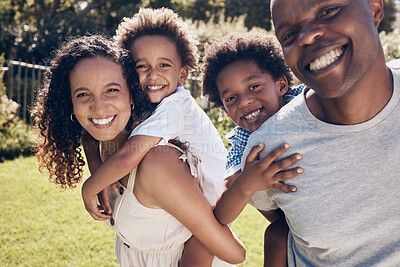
(145, 236)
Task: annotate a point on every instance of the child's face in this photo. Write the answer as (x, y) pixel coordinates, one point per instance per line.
(329, 45)
(100, 97)
(158, 65)
(249, 94)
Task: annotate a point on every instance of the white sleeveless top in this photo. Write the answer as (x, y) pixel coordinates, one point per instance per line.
(145, 236)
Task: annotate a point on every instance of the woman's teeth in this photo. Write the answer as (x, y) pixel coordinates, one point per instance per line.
(103, 121)
(252, 115)
(326, 60)
(154, 87)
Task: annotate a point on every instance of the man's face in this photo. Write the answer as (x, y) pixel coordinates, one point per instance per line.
(330, 45)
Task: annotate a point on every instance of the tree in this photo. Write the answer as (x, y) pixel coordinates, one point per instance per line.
(32, 29)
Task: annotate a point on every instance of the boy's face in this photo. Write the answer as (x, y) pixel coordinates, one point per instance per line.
(329, 45)
(158, 65)
(249, 94)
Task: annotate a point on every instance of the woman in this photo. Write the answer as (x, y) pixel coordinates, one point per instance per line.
(88, 88)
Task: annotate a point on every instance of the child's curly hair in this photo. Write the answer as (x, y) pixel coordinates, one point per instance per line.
(164, 22)
(264, 49)
(58, 137)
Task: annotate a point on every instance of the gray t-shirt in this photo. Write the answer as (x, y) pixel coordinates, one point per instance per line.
(346, 211)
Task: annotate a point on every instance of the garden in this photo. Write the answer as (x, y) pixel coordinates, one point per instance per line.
(41, 225)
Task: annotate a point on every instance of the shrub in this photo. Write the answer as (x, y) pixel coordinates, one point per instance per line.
(391, 44)
(14, 132)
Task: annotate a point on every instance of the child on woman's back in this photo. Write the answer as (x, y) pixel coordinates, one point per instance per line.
(245, 74)
(164, 53)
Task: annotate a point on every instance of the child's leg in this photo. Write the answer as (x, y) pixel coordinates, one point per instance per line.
(275, 244)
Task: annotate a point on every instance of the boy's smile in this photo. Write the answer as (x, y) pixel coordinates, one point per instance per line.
(158, 65)
(249, 95)
(329, 45)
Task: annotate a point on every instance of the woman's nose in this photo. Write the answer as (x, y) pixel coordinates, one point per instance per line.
(99, 105)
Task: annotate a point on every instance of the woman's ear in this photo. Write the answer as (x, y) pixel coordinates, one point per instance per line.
(183, 75)
(282, 85)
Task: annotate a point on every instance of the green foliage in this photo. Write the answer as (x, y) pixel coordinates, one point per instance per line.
(389, 17)
(391, 44)
(41, 226)
(14, 133)
(222, 122)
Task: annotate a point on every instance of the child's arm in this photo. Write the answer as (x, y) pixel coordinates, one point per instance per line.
(257, 175)
(174, 190)
(196, 254)
(114, 168)
(94, 160)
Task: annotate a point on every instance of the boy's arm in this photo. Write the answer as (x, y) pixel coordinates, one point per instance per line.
(114, 168)
(93, 158)
(196, 254)
(257, 175)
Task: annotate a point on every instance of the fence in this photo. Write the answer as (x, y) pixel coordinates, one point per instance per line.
(22, 79)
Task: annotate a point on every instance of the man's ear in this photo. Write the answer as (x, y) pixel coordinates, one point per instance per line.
(184, 75)
(377, 11)
(282, 85)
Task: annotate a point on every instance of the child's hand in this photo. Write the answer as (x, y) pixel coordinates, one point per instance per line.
(265, 174)
(91, 205)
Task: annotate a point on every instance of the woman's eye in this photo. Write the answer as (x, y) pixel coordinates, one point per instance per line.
(81, 95)
(140, 66)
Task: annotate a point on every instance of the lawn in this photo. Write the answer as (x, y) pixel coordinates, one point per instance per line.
(43, 226)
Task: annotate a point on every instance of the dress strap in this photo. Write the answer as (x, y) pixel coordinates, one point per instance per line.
(193, 161)
(131, 180)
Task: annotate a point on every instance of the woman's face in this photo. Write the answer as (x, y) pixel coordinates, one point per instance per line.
(100, 97)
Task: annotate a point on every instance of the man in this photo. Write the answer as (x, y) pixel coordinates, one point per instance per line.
(346, 124)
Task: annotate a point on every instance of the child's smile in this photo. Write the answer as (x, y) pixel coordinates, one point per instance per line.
(158, 65)
(249, 95)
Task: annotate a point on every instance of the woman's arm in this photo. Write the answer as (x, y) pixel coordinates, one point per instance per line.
(169, 185)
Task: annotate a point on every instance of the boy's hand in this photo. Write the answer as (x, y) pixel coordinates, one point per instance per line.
(105, 206)
(91, 204)
(265, 173)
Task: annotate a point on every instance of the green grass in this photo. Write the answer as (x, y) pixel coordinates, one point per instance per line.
(43, 226)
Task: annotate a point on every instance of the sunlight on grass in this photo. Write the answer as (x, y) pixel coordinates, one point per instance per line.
(43, 226)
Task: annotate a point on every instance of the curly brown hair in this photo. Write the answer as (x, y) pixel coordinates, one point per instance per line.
(164, 22)
(263, 48)
(58, 137)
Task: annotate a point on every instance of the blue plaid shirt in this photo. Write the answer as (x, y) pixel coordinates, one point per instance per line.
(239, 137)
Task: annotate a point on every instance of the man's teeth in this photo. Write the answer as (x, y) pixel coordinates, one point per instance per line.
(252, 115)
(326, 60)
(154, 87)
(103, 121)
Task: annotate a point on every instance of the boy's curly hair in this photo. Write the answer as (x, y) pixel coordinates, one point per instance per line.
(164, 22)
(58, 137)
(264, 49)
